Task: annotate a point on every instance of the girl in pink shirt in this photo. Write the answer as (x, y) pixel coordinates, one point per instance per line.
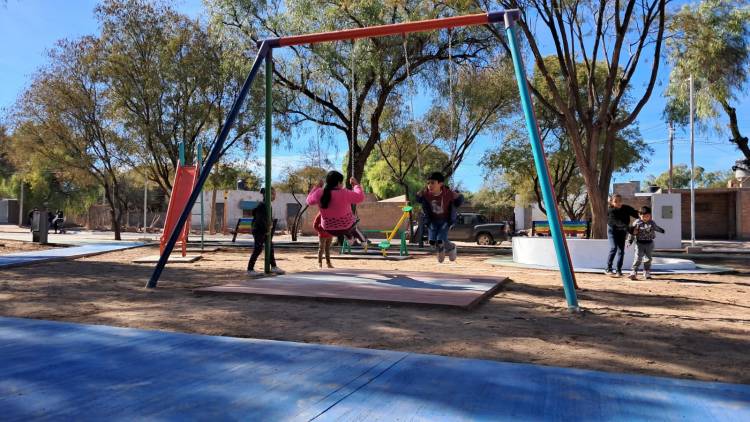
(335, 204)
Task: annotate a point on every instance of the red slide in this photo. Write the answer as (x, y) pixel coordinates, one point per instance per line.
(184, 183)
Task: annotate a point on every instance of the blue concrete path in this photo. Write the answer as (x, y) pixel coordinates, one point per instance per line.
(62, 371)
(56, 254)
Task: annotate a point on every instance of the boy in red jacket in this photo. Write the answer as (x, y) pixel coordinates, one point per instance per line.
(439, 206)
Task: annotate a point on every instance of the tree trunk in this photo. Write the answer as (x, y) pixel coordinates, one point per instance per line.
(737, 138)
(297, 220)
(113, 211)
(598, 203)
(212, 220)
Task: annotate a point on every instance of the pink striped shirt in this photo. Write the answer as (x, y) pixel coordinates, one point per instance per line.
(338, 215)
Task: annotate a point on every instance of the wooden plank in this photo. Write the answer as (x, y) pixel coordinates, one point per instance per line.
(398, 287)
(374, 257)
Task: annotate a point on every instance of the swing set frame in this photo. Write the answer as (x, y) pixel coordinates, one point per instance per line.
(265, 55)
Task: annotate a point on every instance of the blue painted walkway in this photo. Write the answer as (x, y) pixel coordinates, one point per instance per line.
(61, 371)
(56, 254)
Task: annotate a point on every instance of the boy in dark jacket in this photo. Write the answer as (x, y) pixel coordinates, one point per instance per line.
(439, 206)
(644, 233)
(260, 237)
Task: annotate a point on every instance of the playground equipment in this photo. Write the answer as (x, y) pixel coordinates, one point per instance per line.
(244, 225)
(265, 55)
(185, 181)
(389, 235)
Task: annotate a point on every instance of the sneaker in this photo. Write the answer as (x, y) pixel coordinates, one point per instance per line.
(277, 270)
(453, 253)
(648, 275)
(618, 274)
(609, 272)
(633, 276)
(441, 254)
(253, 273)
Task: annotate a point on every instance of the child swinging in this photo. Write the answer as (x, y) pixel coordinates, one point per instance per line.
(335, 204)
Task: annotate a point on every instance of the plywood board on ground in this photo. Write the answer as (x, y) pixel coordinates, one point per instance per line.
(423, 288)
(173, 258)
(373, 256)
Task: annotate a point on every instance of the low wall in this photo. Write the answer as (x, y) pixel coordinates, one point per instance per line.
(584, 253)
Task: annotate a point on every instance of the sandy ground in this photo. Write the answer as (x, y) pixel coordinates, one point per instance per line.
(13, 246)
(688, 326)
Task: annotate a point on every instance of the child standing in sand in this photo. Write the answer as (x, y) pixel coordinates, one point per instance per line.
(324, 242)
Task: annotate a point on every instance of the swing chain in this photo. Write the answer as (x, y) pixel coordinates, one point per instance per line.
(353, 104)
(450, 81)
(411, 93)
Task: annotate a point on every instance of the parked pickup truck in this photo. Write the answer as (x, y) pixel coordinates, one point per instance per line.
(471, 227)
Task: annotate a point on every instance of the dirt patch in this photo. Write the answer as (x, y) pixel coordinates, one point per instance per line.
(13, 246)
(689, 326)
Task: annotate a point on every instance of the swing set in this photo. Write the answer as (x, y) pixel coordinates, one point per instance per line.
(265, 55)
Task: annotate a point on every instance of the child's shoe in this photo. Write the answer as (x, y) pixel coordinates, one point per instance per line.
(277, 270)
(647, 274)
(633, 275)
(453, 253)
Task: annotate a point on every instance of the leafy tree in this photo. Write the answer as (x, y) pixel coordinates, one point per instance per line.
(681, 178)
(598, 46)
(317, 79)
(169, 81)
(394, 169)
(711, 42)
(473, 105)
(64, 119)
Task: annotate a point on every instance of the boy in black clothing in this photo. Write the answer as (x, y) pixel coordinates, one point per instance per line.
(643, 233)
(260, 236)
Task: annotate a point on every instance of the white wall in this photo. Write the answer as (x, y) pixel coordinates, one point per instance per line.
(660, 203)
(234, 197)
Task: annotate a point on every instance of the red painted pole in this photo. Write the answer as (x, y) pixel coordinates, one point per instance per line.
(392, 29)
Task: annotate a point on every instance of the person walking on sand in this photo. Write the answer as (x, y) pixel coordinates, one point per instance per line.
(261, 236)
(618, 221)
(644, 233)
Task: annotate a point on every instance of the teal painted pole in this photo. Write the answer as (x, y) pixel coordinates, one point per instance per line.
(199, 155)
(540, 162)
(269, 142)
(181, 146)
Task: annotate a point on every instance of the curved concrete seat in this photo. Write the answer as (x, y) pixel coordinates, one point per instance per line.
(584, 253)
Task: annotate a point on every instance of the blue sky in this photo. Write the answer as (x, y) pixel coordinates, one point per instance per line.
(30, 27)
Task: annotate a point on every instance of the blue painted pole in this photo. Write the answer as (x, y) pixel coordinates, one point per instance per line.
(199, 155)
(181, 148)
(269, 143)
(213, 156)
(540, 162)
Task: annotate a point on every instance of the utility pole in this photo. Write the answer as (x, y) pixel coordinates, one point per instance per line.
(692, 166)
(671, 152)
